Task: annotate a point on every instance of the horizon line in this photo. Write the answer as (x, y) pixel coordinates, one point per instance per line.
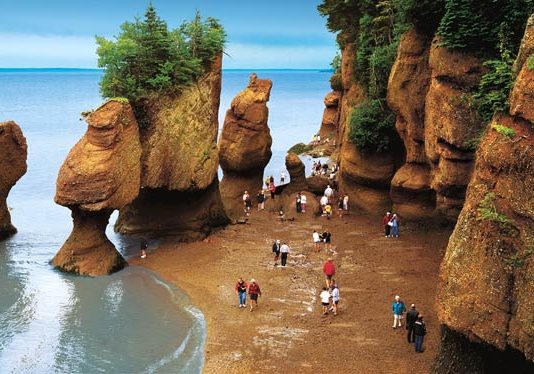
(229, 69)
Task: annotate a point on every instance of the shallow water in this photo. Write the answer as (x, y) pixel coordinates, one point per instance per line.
(131, 321)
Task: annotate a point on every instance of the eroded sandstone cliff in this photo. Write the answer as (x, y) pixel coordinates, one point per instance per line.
(487, 275)
(245, 144)
(179, 195)
(100, 174)
(13, 154)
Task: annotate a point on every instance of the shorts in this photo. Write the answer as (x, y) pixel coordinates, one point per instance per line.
(329, 277)
(253, 296)
(336, 302)
(325, 304)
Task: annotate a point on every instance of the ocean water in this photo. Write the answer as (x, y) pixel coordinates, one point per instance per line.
(132, 321)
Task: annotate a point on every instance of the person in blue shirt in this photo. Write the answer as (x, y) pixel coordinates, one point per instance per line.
(398, 309)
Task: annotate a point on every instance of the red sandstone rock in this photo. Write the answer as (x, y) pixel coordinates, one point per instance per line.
(245, 144)
(297, 173)
(100, 174)
(13, 154)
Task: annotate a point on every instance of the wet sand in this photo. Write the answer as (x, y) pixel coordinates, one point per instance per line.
(287, 333)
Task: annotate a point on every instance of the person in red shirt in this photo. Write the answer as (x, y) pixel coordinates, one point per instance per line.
(329, 269)
(387, 227)
(253, 292)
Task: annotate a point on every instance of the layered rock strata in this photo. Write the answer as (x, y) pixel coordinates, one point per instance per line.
(180, 195)
(13, 154)
(487, 274)
(100, 174)
(245, 144)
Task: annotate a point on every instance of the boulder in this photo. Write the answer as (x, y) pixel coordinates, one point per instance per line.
(179, 163)
(297, 173)
(329, 122)
(13, 154)
(317, 184)
(101, 173)
(412, 196)
(245, 144)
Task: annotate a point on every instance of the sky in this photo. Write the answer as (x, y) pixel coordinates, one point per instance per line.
(261, 33)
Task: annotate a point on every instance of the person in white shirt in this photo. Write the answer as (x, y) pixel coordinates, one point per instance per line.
(282, 177)
(346, 203)
(325, 300)
(328, 192)
(247, 203)
(303, 203)
(284, 251)
(335, 296)
(323, 201)
(316, 240)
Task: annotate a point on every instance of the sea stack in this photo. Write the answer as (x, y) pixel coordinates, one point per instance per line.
(100, 174)
(13, 154)
(245, 144)
(180, 189)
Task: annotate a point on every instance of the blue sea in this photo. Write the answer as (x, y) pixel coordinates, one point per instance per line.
(132, 321)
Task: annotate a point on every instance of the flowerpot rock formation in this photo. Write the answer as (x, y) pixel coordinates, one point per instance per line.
(179, 162)
(100, 174)
(13, 154)
(245, 144)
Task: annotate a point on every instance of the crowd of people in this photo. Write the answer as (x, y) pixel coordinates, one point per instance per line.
(329, 295)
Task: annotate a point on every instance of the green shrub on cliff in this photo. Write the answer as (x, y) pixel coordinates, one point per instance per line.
(146, 57)
(371, 126)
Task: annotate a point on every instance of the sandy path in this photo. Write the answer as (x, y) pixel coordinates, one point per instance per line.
(287, 333)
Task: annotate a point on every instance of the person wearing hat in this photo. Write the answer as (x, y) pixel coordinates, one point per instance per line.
(411, 317)
(253, 292)
(419, 330)
(398, 309)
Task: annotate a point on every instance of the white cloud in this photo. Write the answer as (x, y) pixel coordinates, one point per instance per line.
(275, 56)
(26, 50)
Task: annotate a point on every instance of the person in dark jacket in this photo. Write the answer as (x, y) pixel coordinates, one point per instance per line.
(276, 251)
(419, 330)
(411, 317)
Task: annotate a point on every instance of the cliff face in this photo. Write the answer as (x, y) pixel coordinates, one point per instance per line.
(100, 174)
(13, 156)
(245, 144)
(487, 274)
(364, 177)
(179, 195)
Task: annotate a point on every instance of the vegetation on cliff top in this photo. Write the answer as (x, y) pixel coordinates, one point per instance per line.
(146, 57)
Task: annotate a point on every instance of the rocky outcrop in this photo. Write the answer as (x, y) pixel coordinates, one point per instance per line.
(13, 156)
(297, 174)
(180, 195)
(487, 274)
(329, 123)
(100, 174)
(408, 85)
(245, 144)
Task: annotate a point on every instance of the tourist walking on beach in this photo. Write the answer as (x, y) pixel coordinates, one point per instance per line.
(340, 206)
(284, 252)
(346, 203)
(316, 240)
(282, 177)
(276, 251)
(411, 317)
(272, 189)
(260, 198)
(328, 211)
(325, 300)
(253, 292)
(386, 221)
(398, 309)
(241, 292)
(327, 239)
(335, 296)
(303, 200)
(395, 226)
(419, 330)
(323, 201)
(298, 203)
(329, 193)
(329, 269)
(247, 203)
